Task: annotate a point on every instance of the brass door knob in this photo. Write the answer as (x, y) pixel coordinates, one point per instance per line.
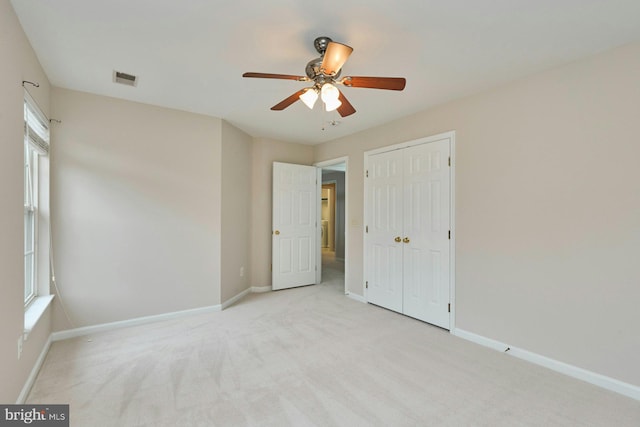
(406, 240)
(276, 232)
(398, 239)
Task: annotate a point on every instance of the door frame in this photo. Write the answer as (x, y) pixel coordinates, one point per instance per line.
(347, 263)
(451, 135)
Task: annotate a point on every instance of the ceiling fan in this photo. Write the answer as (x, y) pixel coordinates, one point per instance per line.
(324, 73)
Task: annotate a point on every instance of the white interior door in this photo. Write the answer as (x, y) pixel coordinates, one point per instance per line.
(294, 234)
(426, 232)
(384, 235)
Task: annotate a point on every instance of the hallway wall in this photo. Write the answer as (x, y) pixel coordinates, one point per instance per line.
(339, 178)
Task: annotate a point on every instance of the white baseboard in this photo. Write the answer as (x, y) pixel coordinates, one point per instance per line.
(34, 373)
(594, 378)
(356, 297)
(479, 339)
(236, 298)
(86, 330)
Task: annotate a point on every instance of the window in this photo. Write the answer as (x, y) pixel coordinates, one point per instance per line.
(30, 214)
(36, 143)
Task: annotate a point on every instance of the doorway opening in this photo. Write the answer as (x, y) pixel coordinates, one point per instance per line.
(332, 250)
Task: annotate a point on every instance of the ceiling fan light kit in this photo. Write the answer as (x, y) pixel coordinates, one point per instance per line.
(324, 72)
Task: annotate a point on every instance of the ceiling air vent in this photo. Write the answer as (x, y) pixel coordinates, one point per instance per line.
(124, 78)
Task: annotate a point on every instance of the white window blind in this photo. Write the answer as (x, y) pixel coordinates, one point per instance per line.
(36, 128)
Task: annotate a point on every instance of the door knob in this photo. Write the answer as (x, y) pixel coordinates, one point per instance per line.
(276, 232)
(406, 240)
(398, 239)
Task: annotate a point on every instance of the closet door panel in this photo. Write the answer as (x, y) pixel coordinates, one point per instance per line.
(426, 232)
(384, 253)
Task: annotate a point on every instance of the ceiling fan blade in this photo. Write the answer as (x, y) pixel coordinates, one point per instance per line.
(334, 58)
(390, 83)
(288, 101)
(276, 76)
(345, 109)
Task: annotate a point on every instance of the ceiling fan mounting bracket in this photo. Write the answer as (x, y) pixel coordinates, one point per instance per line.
(321, 43)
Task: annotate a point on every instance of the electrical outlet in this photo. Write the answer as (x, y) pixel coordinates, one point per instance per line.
(241, 271)
(19, 346)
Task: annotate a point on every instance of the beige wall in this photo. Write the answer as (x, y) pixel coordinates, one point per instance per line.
(547, 210)
(17, 62)
(265, 152)
(236, 211)
(136, 210)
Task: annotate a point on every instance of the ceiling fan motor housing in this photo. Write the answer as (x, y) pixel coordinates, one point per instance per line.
(314, 73)
(313, 68)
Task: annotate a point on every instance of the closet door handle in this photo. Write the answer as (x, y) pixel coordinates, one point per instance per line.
(276, 232)
(406, 240)
(398, 239)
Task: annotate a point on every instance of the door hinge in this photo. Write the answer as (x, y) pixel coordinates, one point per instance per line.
(449, 161)
(366, 228)
(367, 173)
(449, 234)
(271, 267)
(366, 285)
(449, 308)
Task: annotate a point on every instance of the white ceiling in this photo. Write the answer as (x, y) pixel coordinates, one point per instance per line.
(190, 54)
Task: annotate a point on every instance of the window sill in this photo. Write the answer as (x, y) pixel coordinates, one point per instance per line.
(34, 312)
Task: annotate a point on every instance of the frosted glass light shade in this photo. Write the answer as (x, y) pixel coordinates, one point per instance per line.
(330, 94)
(332, 104)
(309, 97)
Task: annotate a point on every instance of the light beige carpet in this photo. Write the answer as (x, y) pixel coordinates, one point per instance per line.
(310, 357)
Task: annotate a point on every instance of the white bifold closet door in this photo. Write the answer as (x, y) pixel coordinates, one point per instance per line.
(408, 246)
